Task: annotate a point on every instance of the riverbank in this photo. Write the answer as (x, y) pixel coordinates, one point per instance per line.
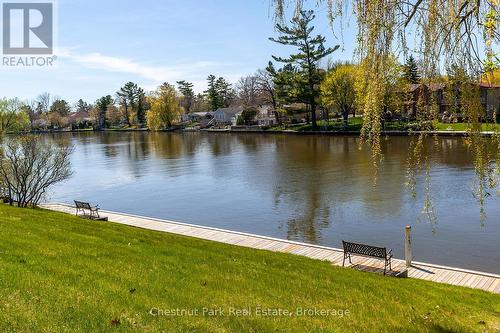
(60, 273)
(357, 133)
(424, 271)
(326, 128)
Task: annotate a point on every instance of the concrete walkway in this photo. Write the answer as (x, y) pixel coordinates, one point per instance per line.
(450, 275)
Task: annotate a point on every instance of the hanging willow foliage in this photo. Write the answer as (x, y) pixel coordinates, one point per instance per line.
(446, 34)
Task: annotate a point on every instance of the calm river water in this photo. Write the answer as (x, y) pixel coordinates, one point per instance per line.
(315, 189)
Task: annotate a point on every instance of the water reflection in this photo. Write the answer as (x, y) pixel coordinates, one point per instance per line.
(307, 188)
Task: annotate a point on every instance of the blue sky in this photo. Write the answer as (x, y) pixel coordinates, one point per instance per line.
(103, 44)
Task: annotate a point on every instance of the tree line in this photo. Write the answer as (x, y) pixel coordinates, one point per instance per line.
(303, 79)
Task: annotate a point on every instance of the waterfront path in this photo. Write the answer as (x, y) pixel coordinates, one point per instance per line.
(442, 274)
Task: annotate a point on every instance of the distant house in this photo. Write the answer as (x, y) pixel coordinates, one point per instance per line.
(40, 123)
(490, 99)
(227, 115)
(80, 119)
(265, 116)
(435, 93)
(297, 113)
(196, 116)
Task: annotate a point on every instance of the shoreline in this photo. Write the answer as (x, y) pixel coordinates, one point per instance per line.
(261, 131)
(458, 276)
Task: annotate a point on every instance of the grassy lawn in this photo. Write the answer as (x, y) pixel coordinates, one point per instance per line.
(355, 124)
(59, 273)
(463, 127)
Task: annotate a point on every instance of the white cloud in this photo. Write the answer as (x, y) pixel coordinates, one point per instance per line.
(195, 72)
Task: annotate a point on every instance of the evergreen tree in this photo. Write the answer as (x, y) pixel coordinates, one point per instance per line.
(410, 71)
(186, 89)
(225, 92)
(220, 93)
(141, 106)
(132, 99)
(82, 106)
(310, 51)
(125, 97)
(212, 94)
(101, 106)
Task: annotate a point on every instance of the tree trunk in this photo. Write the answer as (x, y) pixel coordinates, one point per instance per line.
(313, 116)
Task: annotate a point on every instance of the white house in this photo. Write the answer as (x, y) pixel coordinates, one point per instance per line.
(265, 116)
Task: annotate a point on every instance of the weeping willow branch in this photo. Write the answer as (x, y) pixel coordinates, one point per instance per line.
(448, 34)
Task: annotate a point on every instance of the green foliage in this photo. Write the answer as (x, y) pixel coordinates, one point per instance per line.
(61, 107)
(186, 89)
(13, 116)
(291, 85)
(219, 92)
(338, 90)
(164, 107)
(101, 107)
(132, 99)
(248, 115)
(311, 49)
(410, 71)
(82, 106)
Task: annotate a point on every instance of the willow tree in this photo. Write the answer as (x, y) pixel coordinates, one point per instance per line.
(444, 33)
(164, 107)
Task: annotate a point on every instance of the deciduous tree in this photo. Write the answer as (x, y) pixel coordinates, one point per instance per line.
(338, 90)
(30, 165)
(164, 107)
(61, 107)
(13, 116)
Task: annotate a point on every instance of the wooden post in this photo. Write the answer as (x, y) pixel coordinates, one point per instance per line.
(408, 251)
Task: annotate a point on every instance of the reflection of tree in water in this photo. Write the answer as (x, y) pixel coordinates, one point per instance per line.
(320, 177)
(315, 181)
(300, 185)
(221, 144)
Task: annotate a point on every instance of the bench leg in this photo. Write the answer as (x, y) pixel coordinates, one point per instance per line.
(343, 261)
(387, 263)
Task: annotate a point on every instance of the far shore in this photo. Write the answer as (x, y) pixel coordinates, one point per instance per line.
(263, 131)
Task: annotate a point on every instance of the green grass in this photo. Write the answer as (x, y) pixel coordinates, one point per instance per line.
(59, 273)
(463, 127)
(355, 124)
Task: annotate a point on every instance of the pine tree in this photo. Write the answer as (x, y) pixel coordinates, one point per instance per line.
(220, 93)
(311, 51)
(410, 71)
(212, 94)
(186, 89)
(101, 106)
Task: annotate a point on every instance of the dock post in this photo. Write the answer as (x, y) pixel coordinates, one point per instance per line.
(408, 251)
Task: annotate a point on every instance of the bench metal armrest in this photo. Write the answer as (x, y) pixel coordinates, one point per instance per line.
(389, 254)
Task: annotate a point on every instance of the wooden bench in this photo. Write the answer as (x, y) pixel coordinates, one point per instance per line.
(367, 251)
(87, 211)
